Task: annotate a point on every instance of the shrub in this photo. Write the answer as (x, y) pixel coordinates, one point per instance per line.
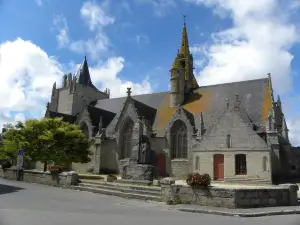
(55, 169)
(6, 165)
(196, 180)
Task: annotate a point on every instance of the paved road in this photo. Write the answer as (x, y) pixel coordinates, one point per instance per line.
(34, 204)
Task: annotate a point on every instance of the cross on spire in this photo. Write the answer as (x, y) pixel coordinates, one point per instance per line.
(184, 18)
(128, 91)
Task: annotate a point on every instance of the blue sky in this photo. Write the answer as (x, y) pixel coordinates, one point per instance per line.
(133, 43)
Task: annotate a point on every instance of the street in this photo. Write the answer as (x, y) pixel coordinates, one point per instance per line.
(33, 204)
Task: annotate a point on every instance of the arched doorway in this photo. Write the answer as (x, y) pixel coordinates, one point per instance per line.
(218, 167)
(179, 140)
(126, 140)
(161, 165)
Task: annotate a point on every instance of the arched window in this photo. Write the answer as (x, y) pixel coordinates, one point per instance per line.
(197, 163)
(126, 139)
(228, 140)
(265, 163)
(179, 140)
(85, 130)
(240, 164)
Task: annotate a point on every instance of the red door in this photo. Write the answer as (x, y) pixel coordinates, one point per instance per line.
(219, 167)
(161, 164)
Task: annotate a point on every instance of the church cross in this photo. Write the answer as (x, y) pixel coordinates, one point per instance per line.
(128, 91)
(184, 18)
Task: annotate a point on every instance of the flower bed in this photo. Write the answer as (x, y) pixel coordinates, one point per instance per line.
(198, 180)
(55, 169)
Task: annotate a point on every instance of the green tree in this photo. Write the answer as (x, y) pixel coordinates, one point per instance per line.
(47, 140)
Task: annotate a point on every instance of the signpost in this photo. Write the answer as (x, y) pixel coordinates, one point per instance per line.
(20, 158)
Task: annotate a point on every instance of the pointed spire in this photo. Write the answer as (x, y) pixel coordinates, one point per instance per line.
(278, 101)
(83, 74)
(270, 87)
(54, 88)
(184, 49)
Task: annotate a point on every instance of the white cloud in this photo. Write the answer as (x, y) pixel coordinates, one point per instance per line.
(61, 25)
(294, 131)
(142, 39)
(160, 7)
(105, 75)
(95, 15)
(39, 2)
(26, 75)
(258, 42)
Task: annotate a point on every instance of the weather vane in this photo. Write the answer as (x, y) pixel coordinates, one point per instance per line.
(184, 18)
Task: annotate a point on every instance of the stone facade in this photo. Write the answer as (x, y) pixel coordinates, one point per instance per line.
(32, 176)
(282, 195)
(234, 132)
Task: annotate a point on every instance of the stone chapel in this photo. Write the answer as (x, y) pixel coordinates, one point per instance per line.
(236, 132)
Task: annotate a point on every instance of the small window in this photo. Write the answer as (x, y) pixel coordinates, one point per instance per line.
(240, 164)
(228, 140)
(293, 167)
(265, 163)
(197, 163)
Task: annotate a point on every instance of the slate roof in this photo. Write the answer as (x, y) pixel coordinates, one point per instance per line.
(65, 117)
(210, 100)
(96, 113)
(83, 75)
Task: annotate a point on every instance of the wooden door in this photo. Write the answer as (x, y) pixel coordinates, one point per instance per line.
(161, 165)
(219, 167)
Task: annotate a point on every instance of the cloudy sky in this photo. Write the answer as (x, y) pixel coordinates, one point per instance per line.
(133, 43)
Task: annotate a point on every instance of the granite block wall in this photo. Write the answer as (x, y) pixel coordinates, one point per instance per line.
(32, 176)
(282, 195)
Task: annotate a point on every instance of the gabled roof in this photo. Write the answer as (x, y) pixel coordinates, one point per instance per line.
(144, 110)
(96, 113)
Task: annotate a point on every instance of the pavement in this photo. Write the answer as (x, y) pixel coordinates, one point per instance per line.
(33, 204)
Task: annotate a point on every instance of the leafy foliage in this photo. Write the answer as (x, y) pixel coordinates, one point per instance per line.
(46, 140)
(198, 180)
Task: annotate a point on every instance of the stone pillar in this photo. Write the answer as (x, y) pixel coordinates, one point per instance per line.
(72, 178)
(293, 196)
(166, 152)
(97, 154)
(167, 186)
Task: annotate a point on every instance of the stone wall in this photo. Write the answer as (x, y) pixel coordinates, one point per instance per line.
(32, 176)
(282, 195)
(180, 168)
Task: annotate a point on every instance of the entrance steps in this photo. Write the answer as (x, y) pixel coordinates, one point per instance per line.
(247, 180)
(121, 190)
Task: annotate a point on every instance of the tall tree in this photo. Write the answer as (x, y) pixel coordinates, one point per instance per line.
(47, 140)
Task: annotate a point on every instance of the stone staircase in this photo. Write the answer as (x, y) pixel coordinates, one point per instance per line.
(248, 181)
(121, 190)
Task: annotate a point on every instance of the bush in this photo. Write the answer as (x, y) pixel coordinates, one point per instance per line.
(197, 180)
(55, 169)
(6, 165)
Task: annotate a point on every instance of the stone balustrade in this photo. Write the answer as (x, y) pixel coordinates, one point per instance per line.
(33, 176)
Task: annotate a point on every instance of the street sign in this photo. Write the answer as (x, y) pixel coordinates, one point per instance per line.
(20, 158)
(21, 152)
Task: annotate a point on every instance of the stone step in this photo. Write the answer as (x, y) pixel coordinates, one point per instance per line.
(118, 193)
(122, 189)
(246, 180)
(113, 184)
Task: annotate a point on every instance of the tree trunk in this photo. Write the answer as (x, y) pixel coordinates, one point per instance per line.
(45, 166)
